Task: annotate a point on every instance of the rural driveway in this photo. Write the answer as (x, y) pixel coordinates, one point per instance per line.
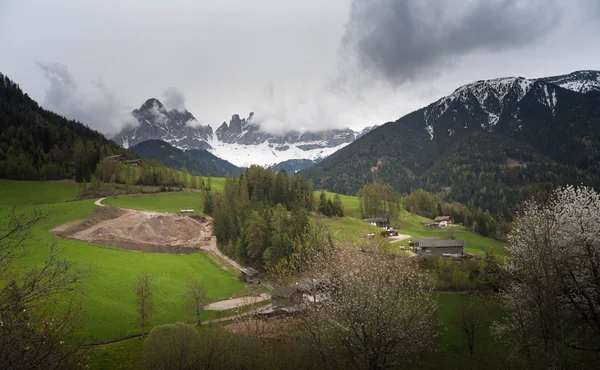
(99, 202)
(236, 302)
(398, 238)
(212, 247)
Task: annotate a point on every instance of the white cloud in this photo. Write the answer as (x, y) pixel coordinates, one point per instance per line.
(92, 104)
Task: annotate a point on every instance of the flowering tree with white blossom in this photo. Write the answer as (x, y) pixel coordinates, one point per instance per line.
(370, 309)
(553, 299)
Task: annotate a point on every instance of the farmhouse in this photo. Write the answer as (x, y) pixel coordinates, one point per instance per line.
(119, 158)
(446, 219)
(379, 222)
(250, 275)
(438, 246)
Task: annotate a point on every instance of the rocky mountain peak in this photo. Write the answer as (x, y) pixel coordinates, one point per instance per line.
(241, 141)
(150, 104)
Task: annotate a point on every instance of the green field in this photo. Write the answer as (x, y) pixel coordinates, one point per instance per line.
(346, 229)
(409, 224)
(488, 352)
(351, 203)
(111, 274)
(162, 202)
(35, 192)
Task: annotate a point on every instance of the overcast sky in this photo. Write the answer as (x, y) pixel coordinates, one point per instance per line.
(309, 64)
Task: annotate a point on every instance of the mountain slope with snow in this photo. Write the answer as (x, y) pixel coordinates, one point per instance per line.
(557, 116)
(240, 142)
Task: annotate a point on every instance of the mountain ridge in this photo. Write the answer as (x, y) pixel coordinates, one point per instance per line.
(241, 142)
(562, 124)
(194, 161)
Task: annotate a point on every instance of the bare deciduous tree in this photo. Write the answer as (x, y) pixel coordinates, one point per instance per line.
(471, 317)
(145, 300)
(196, 298)
(172, 346)
(553, 298)
(368, 309)
(39, 306)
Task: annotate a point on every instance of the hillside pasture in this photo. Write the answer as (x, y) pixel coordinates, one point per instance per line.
(111, 274)
(409, 224)
(350, 203)
(35, 192)
(161, 202)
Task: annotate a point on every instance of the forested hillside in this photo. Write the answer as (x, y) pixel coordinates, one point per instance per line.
(260, 215)
(490, 144)
(496, 173)
(36, 144)
(199, 162)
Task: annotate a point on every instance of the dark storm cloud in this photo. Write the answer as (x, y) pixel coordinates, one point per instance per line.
(403, 40)
(92, 105)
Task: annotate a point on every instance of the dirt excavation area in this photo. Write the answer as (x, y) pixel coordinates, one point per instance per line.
(140, 230)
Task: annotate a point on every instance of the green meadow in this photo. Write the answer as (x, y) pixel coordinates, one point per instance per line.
(407, 223)
(161, 202)
(111, 274)
(351, 204)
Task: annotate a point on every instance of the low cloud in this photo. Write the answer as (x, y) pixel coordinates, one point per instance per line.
(409, 40)
(93, 105)
(326, 107)
(174, 99)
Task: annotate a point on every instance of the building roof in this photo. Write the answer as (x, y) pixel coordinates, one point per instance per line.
(308, 285)
(283, 291)
(439, 243)
(375, 219)
(249, 271)
(443, 218)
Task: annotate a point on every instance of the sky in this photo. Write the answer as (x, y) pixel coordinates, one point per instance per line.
(298, 65)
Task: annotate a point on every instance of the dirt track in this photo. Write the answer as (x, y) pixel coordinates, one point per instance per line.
(140, 230)
(236, 302)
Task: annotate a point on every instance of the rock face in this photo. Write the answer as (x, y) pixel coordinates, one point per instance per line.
(240, 142)
(179, 128)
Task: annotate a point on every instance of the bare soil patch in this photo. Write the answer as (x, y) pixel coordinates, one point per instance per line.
(140, 231)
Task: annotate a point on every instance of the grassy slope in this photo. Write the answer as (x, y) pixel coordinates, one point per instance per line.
(488, 351)
(163, 202)
(112, 273)
(409, 224)
(35, 192)
(477, 244)
(351, 204)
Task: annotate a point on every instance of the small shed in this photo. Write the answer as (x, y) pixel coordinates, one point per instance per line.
(250, 275)
(133, 162)
(379, 222)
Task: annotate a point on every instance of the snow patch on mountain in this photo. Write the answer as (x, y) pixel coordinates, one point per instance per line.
(490, 101)
(579, 81)
(268, 154)
(240, 142)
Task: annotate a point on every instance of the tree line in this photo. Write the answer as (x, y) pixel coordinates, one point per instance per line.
(547, 290)
(36, 144)
(260, 214)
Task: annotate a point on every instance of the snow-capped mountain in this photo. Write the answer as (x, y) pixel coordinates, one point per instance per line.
(580, 81)
(240, 142)
(498, 124)
(497, 105)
